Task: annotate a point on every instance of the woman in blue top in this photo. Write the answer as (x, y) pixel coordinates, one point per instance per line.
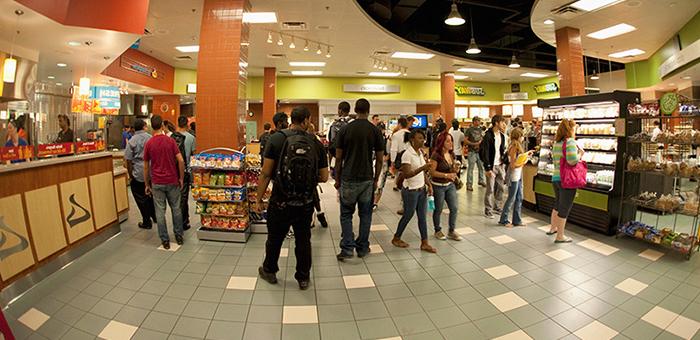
(565, 139)
(14, 138)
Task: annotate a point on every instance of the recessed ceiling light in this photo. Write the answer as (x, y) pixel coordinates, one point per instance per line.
(61, 65)
(473, 70)
(460, 77)
(307, 63)
(74, 43)
(59, 84)
(592, 5)
(260, 17)
(51, 77)
(686, 77)
(533, 75)
(245, 43)
(307, 73)
(412, 55)
(549, 22)
(628, 53)
(188, 49)
(384, 74)
(612, 31)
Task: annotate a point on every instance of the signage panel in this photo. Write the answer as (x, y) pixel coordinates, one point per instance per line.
(371, 88)
(470, 90)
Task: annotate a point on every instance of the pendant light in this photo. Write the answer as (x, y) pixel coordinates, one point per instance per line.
(292, 45)
(473, 48)
(514, 62)
(595, 75)
(328, 53)
(318, 51)
(280, 42)
(269, 37)
(9, 67)
(84, 83)
(306, 46)
(454, 19)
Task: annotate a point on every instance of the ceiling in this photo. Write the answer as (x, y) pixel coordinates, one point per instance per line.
(656, 22)
(342, 24)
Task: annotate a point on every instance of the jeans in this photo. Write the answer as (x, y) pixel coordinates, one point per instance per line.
(442, 194)
(495, 186)
(472, 159)
(143, 202)
(279, 219)
(414, 202)
(515, 199)
(171, 194)
(351, 194)
(184, 199)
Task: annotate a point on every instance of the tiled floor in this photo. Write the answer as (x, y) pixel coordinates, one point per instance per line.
(497, 283)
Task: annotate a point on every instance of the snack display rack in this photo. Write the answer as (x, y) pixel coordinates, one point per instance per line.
(258, 222)
(219, 189)
(601, 133)
(667, 155)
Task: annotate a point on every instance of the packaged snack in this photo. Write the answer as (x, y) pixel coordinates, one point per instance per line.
(203, 194)
(201, 208)
(229, 179)
(206, 221)
(219, 162)
(206, 178)
(195, 193)
(197, 178)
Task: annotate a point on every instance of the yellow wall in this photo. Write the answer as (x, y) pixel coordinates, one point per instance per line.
(182, 78)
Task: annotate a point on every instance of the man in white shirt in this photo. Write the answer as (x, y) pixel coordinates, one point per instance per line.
(398, 143)
(458, 139)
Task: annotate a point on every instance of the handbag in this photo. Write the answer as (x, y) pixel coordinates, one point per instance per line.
(572, 176)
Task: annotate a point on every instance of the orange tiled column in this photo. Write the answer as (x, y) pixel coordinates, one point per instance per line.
(447, 96)
(221, 78)
(572, 79)
(269, 94)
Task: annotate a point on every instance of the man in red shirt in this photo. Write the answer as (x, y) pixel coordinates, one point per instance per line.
(164, 170)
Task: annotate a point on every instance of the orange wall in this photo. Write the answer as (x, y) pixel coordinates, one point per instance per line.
(167, 107)
(118, 69)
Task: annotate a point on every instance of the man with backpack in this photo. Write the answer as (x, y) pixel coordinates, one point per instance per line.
(357, 178)
(296, 162)
(186, 144)
(343, 119)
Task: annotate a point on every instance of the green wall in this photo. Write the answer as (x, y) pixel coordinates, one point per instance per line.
(645, 73)
(182, 78)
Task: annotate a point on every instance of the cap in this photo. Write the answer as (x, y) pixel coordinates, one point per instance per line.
(279, 117)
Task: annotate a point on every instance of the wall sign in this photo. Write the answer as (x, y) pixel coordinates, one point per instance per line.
(669, 103)
(371, 88)
(139, 67)
(192, 88)
(470, 90)
(681, 58)
(546, 88)
(515, 96)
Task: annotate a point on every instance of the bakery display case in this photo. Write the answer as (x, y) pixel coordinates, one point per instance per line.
(601, 133)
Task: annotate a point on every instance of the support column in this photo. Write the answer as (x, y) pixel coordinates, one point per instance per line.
(572, 80)
(221, 80)
(269, 94)
(447, 96)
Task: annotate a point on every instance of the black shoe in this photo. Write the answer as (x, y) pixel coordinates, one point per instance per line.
(322, 219)
(342, 257)
(186, 227)
(269, 277)
(179, 240)
(303, 284)
(145, 226)
(166, 244)
(362, 254)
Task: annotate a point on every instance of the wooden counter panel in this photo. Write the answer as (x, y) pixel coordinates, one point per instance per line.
(104, 206)
(15, 251)
(77, 210)
(45, 222)
(120, 192)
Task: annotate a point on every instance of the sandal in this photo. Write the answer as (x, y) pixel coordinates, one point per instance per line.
(565, 240)
(397, 242)
(428, 248)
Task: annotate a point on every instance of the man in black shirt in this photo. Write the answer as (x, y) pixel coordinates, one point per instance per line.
(66, 134)
(357, 179)
(283, 212)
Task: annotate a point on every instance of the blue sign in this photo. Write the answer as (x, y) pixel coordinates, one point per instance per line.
(421, 122)
(108, 96)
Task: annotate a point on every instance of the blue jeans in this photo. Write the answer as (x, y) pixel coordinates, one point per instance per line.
(351, 194)
(473, 159)
(414, 202)
(171, 194)
(515, 199)
(442, 194)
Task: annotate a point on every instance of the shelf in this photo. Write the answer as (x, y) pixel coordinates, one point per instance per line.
(587, 150)
(656, 172)
(663, 245)
(579, 135)
(650, 142)
(215, 169)
(219, 186)
(228, 235)
(220, 215)
(581, 119)
(694, 115)
(210, 201)
(649, 208)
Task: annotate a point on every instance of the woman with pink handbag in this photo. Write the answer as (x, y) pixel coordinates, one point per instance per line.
(569, 175)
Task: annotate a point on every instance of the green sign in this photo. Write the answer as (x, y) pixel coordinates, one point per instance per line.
(546, 88)
(669, 103)
(470, 90)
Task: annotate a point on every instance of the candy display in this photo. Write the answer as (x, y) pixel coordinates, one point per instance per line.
(221, 209)
(218, 179)
(217, 161)
(681, 242)
(218, 195)
(252, 161)
(225, 223)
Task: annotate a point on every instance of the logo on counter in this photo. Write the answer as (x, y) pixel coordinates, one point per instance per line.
(4, 231)
(72, 222)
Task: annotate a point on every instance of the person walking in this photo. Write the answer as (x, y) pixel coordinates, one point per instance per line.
(164, 175)
(458, 141)
(296, 162)
(398, 144)
(492, 153)
(357, 176)
(264, 137)
(342, 120)
(444, 171)
(415, 189)
(133, 155)
(515, 179)
(564, 145)
(186, 143)
(474, 136)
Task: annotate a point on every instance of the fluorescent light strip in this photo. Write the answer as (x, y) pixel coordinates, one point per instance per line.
(628, 53)
(473, 70)
(260, 17)
(307, 73)
(592, 5)
(188, 49)
(460, 77)
(61, 65)
(307, 63)
(533, 75)
(412, 55)
(384, 74)
(612, 31)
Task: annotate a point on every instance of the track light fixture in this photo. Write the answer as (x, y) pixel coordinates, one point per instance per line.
(380, 65)
(307, 42)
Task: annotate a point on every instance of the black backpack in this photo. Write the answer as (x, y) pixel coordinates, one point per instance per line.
(297, 168)
(180, 141)
(333, 133)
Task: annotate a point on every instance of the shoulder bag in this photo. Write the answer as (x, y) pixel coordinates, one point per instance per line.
(572, 176)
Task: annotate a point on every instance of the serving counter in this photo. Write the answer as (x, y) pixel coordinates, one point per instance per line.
(54, 210)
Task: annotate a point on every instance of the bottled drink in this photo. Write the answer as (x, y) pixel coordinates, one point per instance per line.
(431, 203)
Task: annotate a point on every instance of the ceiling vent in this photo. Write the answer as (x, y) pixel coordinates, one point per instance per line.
(458, 65)
(146, 32)
(183, 58)
(284, 72)
(381, 53)
(566, 12)
(294, 26)
(276, 55)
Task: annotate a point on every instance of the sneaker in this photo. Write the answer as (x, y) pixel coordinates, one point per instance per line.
(321, 217)
(186, 227)
(363, 253)
(399, 212)
(453, 235)
(145, 226)
(303, 284)
(269, 277)
(440, 235)
(179, 240)
(343, 256)
(166, 244)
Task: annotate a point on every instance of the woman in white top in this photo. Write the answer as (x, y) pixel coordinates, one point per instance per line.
(515, 180)
(415, 188)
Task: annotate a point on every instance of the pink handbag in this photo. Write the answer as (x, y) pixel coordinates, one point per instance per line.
(572, 176)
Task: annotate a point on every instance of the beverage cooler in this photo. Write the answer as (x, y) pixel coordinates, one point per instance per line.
(601, 133)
